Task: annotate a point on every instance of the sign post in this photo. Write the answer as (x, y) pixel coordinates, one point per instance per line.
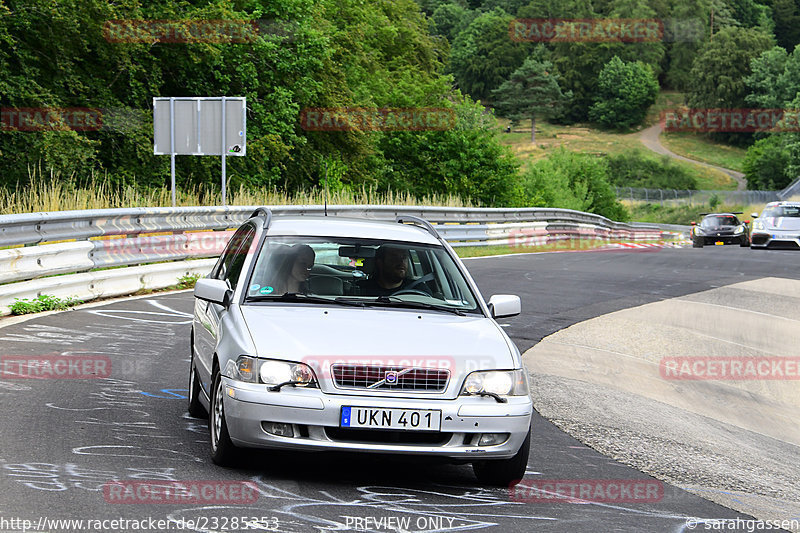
(200, 126)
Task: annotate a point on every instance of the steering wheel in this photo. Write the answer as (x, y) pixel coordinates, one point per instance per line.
(410, 291)
(424, 279)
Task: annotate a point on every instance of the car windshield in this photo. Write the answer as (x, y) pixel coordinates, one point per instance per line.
(359, 272)
(781, 211)
(717, 221)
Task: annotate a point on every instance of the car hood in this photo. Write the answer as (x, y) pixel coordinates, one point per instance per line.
(782, 223)
(321, 335)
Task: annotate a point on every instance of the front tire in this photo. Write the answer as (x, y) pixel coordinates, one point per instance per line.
(504, 472)
(222, 448)
(745, 243)
(697, 243)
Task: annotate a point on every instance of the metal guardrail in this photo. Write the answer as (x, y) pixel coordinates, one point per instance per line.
(177, 237)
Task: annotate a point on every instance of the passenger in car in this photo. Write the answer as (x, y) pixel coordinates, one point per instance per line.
(390, 274)
(293, 272)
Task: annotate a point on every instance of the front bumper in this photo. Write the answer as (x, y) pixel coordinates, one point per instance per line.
(315, 420)
(725, 239)
(763, 239)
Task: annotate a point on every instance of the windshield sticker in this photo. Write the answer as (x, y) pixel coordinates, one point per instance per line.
(266, 290)
(255, 287)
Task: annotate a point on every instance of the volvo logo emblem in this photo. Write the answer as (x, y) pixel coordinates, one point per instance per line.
(391, 377)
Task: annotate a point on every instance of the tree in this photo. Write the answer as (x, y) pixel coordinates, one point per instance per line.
(765, 164)
(786, 16)
(625, 92)
(532, 88)
(775, 78)
(466, 160)
(483, 55)
(719, 70)
(688, 26)
(580, 62)
(451, 19)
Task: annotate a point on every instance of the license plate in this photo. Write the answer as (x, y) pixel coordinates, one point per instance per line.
(719, 243)
(411, 419)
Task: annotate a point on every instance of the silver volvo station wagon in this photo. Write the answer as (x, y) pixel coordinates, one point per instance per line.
(329, 333)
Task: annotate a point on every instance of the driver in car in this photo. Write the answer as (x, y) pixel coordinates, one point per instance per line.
(391, 273)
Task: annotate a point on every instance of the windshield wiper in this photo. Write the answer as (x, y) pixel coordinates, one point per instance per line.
(300, 297)
(395, 301)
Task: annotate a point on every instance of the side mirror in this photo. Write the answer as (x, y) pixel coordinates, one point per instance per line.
(214, 291)
(502, 305)
(754, 215)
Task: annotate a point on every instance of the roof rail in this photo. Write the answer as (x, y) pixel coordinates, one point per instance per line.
(263, 212)
(402, 219)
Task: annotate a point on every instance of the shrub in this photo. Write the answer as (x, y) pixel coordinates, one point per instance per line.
(573, 181)
(44, 302)
(637, 169)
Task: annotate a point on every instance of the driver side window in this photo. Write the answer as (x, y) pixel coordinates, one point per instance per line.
(230, 264)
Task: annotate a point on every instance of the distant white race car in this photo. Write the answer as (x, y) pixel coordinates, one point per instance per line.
(777, 227)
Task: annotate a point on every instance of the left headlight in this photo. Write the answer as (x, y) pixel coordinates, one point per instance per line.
(273, 372)
(500, 382)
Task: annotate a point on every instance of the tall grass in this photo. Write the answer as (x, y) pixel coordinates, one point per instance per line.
(61, 195)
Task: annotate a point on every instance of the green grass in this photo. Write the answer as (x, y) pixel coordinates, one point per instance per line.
(704, 149)
(44, 302)
(585, 139)
(58, 195)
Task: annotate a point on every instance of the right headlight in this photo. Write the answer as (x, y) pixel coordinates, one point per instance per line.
(500, 382)
(758, 225)
(272, 372)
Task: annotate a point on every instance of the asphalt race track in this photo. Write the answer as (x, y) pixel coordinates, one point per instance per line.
(63, 440)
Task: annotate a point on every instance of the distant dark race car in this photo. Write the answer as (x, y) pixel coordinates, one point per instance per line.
(720, 229)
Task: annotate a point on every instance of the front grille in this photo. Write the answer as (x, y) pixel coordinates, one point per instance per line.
(374, 377)
(367, 436)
